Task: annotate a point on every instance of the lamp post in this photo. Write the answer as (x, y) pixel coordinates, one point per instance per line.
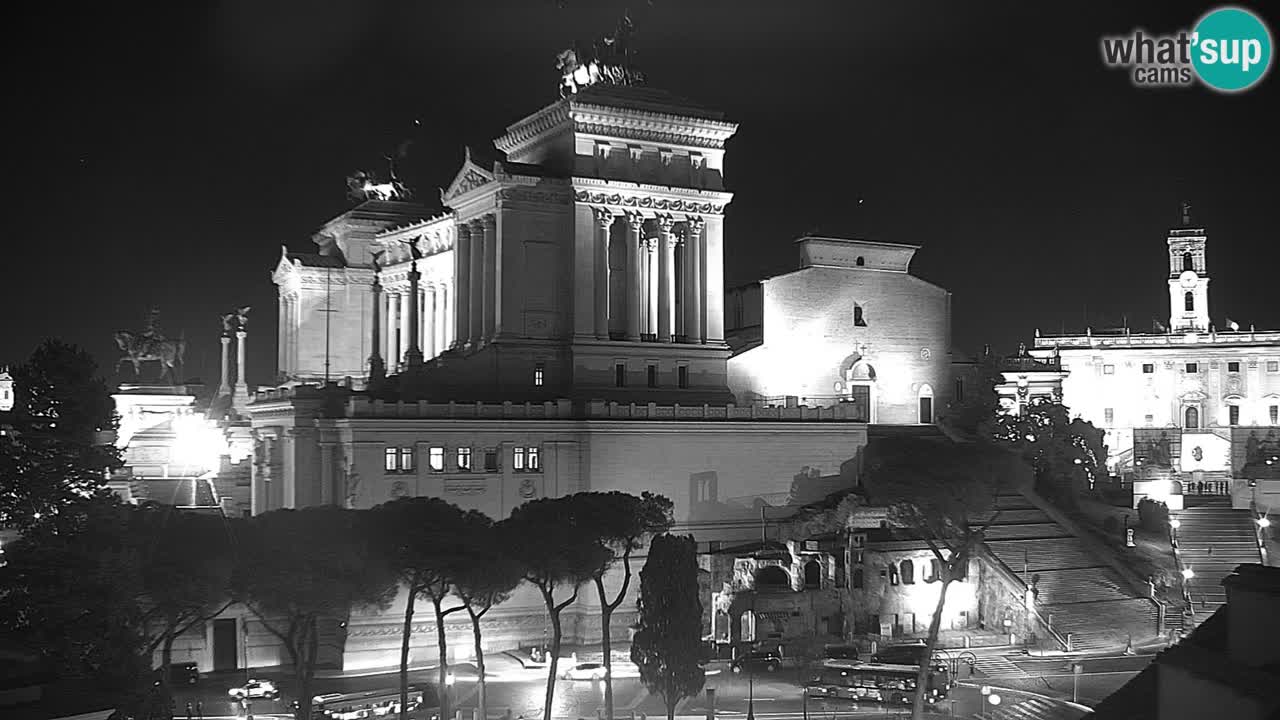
(449, 680)
(986, 693)
(751, 669)
(1174, 524)
(1263, 522)
(1187, 574)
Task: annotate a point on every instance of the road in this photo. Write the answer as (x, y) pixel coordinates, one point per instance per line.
(775, 696)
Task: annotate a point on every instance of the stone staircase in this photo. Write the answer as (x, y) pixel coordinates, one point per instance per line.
(1076, 591)
(1214, 539)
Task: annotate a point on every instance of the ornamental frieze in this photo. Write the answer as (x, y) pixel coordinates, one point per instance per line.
(649, 203)
(536, 196)
(648, 134)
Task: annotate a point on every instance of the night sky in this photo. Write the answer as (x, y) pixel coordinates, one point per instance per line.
(163, 152)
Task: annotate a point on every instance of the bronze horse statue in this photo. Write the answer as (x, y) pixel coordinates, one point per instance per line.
(138, 348)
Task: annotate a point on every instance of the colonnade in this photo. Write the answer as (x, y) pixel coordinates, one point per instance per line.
(434, 317)
(476, 266)
(664, 276)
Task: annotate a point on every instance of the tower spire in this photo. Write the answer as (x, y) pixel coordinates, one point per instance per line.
(1186, 212)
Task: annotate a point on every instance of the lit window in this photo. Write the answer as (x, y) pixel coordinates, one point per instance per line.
(652, 376)
(682, 376)
(398, 459)
(491, 460)
(1109, 415)
(538, 375)
(1108, 369)
(435, 458)
(525, 459)
(893, 575)
(391, 460)
(1233, 414)
(1193, 368)
(534, 458)
(620, 374)
(517, 459)
(406, 459)
(464, 459)
(1148, 368)
(1233, 367)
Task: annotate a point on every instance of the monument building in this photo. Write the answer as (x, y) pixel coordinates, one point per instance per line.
(1191, 407)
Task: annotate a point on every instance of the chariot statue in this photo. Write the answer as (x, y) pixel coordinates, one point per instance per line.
(150, 345)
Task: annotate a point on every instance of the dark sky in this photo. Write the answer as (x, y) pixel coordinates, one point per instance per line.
(162, 152)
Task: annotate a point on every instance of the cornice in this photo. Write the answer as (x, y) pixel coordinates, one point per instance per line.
(658, 198)
(530, 129)
(659, 127)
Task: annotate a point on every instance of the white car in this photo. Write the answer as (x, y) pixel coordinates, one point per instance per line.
(255, 689)
(585, 671)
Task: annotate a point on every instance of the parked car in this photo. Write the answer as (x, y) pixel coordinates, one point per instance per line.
(585, 671)
(756, 661)
(255, 689)
(840, 652)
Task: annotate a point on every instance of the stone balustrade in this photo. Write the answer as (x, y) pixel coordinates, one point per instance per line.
(1152, 339)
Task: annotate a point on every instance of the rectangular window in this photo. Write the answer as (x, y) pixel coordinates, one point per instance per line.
(1109, 416)
(1273, 366)
(538, 375)
(406, 459)
(391, 461)
(491, 460)
(435, 459)
(1233, 367)
(959, 390)
(620, 374)
(518, 459)
(1148, 368)
(1274, 412)
(1233, 414)
(1108, 369)
(534, 457)
(682, 376)
(652, 376)
(464, 459)
(1193, 368)
(1149, 420)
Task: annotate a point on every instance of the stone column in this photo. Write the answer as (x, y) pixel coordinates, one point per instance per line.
(488, 328)
(635, 291)
(377, 369)
(429, 322)
(402, 323)
(666, 278)
(445, 326)
(475, 315)
(413, 351)
(281, 338)
(693, 280)
(604, 221)
(326, 473)
(224, 388)
(651, 285)
(393, 326)
(462, 281)
(240, 398)
(713, 279)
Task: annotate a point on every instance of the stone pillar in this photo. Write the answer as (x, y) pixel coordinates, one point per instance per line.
(604, 221)
(475, 315)
(666, 278)
(444, 308)
(393, 326)
(492, 277)
(281, 339)
(224, 388)
(462, 281)
(327, 494)
(713, 279)
(402, 323)
(377, 369)
(694, 283)
(240, 398)
(413, 351)
(429, 322)
(635, 291)
(651, 285)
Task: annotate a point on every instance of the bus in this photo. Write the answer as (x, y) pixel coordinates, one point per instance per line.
(876, 682)
(367, 704)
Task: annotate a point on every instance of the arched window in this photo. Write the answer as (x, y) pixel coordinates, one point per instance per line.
(908, 572)
(772, 577)
(858, 319)
(1189, 301)
(860, 262)
(925, 397)
(935, 571)
(812, 575)
(1188, 263)
(857, 579)
(1193, 418)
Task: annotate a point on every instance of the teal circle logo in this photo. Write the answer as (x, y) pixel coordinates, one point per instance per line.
(1231, 49)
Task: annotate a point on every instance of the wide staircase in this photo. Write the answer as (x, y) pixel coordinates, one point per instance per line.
(1213, 540)
(1076, 591)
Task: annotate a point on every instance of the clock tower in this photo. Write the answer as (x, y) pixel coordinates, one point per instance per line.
(1188, 277)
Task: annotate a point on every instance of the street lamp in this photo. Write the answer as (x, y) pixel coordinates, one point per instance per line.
(986, 693)
(1174, 524)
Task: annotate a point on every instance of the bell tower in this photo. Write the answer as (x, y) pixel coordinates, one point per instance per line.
(1188, 277)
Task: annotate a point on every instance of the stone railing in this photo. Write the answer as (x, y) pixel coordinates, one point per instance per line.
(1156, 339)
(600, 410)
(559, 410)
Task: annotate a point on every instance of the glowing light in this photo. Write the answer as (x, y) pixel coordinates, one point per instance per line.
(1175, 523)
(994, 699)
(198, 444)
(450, 679)
(1264, 522)
(1188, 573)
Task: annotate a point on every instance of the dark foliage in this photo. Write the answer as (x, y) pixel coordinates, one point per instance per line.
(667, 646)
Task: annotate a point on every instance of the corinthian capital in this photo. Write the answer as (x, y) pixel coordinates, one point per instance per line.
(665, 223)
(694, 225)
(636, 221)
(604, 217)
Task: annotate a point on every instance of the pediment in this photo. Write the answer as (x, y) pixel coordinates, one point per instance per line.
(470, 176)
(284, 268)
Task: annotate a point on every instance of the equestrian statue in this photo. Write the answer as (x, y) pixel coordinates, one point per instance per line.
(151, 345)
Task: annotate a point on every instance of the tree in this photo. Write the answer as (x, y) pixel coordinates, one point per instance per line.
(186, 566)
(554, 544)
(1067, 455)
(70, 588)
(620, 522)
(301, 567)
(420, 537)
(935, 489)
(486, 576)
(59, 448)
(667, 647)
(973, 416)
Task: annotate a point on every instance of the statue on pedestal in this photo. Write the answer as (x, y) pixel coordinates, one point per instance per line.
(151, 345)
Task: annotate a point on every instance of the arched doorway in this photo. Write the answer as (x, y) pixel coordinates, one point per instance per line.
(1192, 418)
(812, 575)
(772, 577)
(860, 382)
(925, 400)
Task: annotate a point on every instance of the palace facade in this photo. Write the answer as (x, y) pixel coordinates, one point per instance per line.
(1191, 407)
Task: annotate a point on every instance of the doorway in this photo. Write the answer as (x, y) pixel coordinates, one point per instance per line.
(226, 651)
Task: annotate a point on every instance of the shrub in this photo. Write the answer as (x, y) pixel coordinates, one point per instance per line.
(1153, 515)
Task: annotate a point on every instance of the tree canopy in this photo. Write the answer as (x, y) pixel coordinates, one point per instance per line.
(668, 644)
(1068, 455)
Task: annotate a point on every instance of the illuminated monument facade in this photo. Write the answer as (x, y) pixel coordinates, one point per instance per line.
(559, 326)
(1191, 407)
